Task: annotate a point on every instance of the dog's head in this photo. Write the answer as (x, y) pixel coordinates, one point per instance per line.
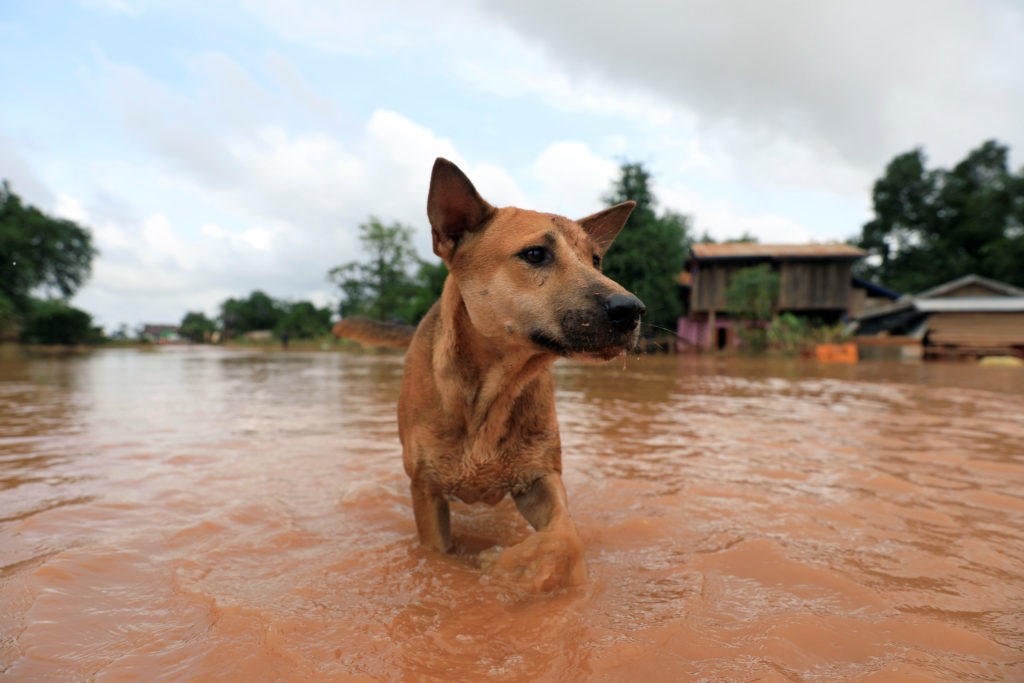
(532, 278)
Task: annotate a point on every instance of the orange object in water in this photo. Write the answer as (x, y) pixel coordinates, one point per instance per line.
(836, 353)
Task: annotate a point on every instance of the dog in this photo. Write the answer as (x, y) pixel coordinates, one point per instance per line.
(476, 413)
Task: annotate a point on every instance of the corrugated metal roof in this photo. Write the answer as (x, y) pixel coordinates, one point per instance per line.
(972, 304)
(738, 250)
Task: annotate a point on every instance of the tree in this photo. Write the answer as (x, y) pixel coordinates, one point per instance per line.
(52, 321)
(752, 293)
(429, 283)
(651, 250)
(257, 312)
(751, 296)
(196, 327)
(38, 252)
(303, 320)
(932, 226)
(382, 288)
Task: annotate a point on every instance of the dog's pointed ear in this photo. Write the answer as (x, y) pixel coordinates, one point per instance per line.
(454, 207)
(603, 226)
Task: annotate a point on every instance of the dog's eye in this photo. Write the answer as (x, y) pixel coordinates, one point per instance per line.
(597, 261)
(535, 255)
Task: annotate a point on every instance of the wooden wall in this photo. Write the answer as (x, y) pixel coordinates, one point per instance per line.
(976, 329)
(803, 285)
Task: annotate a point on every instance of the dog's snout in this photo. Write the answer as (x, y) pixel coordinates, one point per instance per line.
(624, 310)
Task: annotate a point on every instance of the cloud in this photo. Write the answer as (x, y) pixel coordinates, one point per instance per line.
(860, 81)
(572, 178)
(245, 201)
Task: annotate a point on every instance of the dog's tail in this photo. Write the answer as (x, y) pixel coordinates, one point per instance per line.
(374, 332)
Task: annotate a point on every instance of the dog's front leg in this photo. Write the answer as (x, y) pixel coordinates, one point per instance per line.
(433, 518)
(553, 556)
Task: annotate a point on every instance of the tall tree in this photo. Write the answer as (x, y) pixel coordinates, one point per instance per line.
(931, 226)
(38, 252)
(651, 250)
(381, 287)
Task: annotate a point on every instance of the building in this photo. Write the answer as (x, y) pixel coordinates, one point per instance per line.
(161, 334)
(971, 316)
(815, 280)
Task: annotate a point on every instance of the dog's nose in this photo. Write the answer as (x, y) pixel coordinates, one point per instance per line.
(624, 310)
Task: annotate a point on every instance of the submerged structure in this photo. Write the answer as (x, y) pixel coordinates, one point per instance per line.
(969, 317)
(815, 280)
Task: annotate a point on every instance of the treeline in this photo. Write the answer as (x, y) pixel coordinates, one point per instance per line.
(258, 312)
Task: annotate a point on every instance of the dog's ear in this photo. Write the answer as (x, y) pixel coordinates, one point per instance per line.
(453, 207)
(603, 226)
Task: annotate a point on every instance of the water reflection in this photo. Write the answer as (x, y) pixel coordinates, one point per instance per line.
(201, 512)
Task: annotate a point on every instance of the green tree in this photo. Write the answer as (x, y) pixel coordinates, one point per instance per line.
(382, 287)
(39, 252)
(931, 226)
(651, 250)
(429, 283)
(257, 312)
(196, 327)
(751, 296)
(52, 321)
(303, 320)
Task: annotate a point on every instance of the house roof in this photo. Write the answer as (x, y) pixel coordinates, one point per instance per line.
(159, 329)
(998, 288)
(756, 250)
(972, 304)
(1005, 298)
(875, 288)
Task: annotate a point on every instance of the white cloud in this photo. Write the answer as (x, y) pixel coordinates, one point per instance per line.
(572, 178)
(865, 80)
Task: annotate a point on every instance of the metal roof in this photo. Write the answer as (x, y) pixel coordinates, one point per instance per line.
(1000, 288)
(756, 250)
(972, 304)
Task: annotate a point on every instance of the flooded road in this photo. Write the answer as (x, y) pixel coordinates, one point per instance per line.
(204, 512)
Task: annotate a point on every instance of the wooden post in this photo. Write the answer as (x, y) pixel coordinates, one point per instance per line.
(712, 332)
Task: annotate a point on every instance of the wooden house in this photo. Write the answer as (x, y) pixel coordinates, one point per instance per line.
(971, 316)
(814, 281)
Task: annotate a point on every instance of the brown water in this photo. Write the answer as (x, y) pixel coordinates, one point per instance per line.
(202, 512)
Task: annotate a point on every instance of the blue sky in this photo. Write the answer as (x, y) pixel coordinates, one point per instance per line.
(214, 148)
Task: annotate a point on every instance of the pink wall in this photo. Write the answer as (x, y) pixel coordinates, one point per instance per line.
(695, 333)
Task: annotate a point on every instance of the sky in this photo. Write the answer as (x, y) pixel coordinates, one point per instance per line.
(214, 148)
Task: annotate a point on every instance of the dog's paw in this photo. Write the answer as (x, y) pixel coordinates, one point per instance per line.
(544, 561)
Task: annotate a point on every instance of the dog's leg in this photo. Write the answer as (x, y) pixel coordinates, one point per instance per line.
(553, 556)
(433, 519)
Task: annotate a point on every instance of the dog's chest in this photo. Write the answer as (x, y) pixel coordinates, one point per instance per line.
(488, 472)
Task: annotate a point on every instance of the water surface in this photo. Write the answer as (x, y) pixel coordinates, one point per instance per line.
(207, 512)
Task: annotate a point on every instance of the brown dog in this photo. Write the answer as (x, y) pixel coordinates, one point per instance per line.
(476, 414)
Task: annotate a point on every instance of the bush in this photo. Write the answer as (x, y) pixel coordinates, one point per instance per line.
(54, 322)
(790, 334)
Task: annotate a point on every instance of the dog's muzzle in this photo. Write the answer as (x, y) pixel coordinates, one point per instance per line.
(603, 329)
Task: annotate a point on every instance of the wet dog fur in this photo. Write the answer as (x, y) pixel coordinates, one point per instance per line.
(476, 414)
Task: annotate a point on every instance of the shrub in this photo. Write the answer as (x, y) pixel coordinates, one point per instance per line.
(54, 322)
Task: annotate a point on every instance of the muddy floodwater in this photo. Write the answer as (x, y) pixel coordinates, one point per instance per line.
(207, 513)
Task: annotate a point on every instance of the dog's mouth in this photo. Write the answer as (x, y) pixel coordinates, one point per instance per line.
(585, 335)
(548, 343)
